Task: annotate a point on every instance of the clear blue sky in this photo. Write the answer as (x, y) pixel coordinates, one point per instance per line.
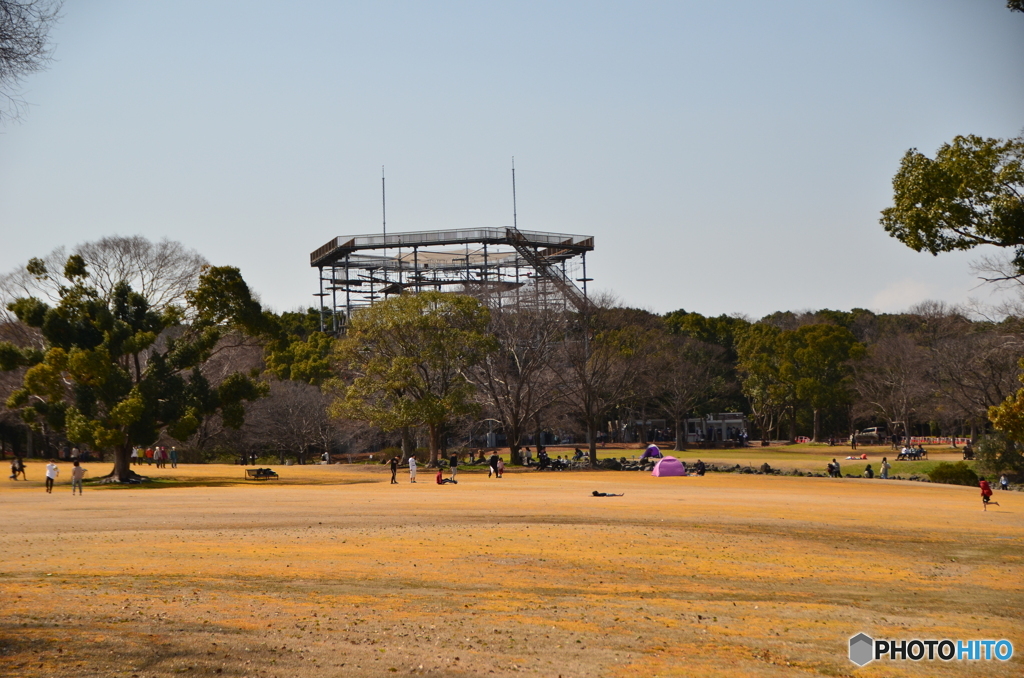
(729, 157)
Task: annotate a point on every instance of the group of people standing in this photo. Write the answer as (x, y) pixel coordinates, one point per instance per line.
(77, 475)
(495, 466)
(159, 454)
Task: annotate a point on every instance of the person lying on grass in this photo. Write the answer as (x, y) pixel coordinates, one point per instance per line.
(605, 494)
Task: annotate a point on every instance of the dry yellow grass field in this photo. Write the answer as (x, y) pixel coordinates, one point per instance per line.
(332, 571)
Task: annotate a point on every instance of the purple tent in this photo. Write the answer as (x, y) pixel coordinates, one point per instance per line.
(651, 452)
(669, 466)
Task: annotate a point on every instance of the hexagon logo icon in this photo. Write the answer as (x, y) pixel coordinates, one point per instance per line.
(861, 649)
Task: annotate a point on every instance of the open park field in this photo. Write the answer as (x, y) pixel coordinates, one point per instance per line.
(332, 571)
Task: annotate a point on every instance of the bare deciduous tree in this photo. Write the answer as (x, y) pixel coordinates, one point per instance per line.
(292, 418)
(24, 47)
(161, 272)
(974, 371)
(692, 373)
(597, 366)
(893, 380)
(517, 381)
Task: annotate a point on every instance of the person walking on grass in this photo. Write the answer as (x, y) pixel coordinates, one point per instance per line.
(453, 464)
(986, 494)
(1004, 484)
(51, 475)
(21, 468)
(77, 473)
(492, 465)
(174, 457)
(412, 469)
(394, 470)
(500, 467)
(885, 468)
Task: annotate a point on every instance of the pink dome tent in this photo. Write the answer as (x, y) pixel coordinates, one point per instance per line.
(669, 466)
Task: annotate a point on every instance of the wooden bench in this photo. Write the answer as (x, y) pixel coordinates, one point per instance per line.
(261, 474)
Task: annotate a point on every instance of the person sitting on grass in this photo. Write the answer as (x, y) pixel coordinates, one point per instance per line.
(986, 494)
(441, 480)
(605, 494)
(543, 460)
(869, 472)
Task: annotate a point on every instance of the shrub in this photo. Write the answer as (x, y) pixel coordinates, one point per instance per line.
(997, 454)
(954, 474)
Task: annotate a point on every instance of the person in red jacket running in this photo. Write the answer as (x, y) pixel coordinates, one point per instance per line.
(986, 494)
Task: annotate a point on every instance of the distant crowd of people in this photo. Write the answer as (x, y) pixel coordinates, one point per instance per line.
(159, 455)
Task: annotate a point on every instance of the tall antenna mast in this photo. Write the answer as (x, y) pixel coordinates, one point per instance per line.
(515, 224)
(384, 206)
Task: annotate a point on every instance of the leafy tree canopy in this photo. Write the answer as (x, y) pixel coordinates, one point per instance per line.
(722, 330)
(114, 373)
(970, 194)
(298, 350)
(407, 357)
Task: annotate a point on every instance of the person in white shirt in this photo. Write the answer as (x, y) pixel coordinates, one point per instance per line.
(51, 474)
(412, 469)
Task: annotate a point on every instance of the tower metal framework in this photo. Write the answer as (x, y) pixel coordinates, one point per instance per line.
(500, 266)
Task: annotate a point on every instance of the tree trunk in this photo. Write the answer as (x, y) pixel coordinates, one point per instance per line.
(817, 425)
(122, 463)
(122, 471)
(514, 455)
(592, 442)
(792, 424)
(538, 435)
(643, 426)
(408, 445)
(680, 436)
(435, 436)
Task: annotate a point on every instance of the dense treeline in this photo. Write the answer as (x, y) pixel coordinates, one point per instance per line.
(90, 361)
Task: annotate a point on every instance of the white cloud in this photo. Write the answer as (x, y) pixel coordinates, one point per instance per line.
(900, 295)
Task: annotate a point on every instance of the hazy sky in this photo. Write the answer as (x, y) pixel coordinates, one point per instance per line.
(728, 156)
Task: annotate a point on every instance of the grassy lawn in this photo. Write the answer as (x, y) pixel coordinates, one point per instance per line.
(332, 571)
